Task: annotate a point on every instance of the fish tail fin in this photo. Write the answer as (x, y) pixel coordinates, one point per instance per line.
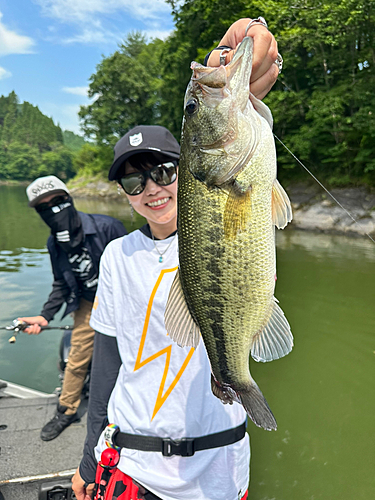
(257, 407)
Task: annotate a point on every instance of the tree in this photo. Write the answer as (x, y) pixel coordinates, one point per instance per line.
(323, 104)
(125, 86)
(30, 143)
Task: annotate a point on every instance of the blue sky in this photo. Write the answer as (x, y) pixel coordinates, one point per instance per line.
(50, 48)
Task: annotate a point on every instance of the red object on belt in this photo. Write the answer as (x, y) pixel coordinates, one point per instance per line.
(104, 470)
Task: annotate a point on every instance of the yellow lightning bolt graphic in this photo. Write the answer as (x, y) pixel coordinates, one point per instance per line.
(161, 398)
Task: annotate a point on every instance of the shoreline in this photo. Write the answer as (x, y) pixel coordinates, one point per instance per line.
(313, 209)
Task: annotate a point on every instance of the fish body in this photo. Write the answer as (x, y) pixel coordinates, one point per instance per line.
(229, 202)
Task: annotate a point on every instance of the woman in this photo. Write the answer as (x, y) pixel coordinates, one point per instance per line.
(159, 394)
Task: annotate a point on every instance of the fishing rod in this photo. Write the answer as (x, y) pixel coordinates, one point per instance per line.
(18, 326)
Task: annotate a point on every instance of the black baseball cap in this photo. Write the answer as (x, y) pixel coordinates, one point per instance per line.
(144, 139)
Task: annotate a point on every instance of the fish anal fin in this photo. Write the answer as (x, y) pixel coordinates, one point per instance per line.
(281, 207)
(237, 213)
(275, 340)
(178, 321)
(257, 407)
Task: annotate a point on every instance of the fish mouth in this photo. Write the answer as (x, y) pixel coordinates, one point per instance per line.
(220, 82)
(159, 203)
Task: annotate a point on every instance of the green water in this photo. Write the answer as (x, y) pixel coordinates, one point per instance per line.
(322, 394)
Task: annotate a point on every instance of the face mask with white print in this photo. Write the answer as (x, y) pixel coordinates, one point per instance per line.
(65, 224)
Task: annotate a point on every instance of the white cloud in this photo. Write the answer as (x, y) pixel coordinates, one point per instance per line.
(162, 34)
(76, 90)
(13, 43)
(4, 73)
(96, 21)
(80, 11)
(89, 35)
(69, 119)
(65, 115)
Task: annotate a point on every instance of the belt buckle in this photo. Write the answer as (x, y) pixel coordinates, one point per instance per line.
(183, 447)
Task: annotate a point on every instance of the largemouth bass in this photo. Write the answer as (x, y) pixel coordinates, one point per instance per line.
(229, 202)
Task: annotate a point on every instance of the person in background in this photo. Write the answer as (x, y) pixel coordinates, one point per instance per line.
(148, 396)
(75, 246)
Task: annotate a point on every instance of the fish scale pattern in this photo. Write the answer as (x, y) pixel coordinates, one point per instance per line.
(227, 231)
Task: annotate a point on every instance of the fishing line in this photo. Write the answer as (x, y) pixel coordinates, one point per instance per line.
(325, 189)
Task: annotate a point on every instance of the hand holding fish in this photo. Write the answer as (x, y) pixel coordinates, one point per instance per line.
(264, 70)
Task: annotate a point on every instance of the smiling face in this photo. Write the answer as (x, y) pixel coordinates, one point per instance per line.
(158, 204)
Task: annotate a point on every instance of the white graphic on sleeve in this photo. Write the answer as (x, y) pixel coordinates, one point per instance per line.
(83, 267)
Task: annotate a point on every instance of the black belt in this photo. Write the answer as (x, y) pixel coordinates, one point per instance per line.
(186, 447)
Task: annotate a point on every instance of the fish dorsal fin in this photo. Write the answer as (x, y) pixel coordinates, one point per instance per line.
(179, 323)
(237, 213)
(275, 340)
(281, 207)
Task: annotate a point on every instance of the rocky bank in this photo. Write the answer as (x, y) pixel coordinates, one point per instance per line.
(313, 209)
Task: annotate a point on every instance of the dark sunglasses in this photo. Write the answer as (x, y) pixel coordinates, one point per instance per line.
(57, 200)
(163, 174)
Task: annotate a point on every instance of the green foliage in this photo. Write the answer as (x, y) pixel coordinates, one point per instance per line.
(323, 104)
(57, 162)
(93, 160)
(31, 145)
(72, 141)
(125, 87)
(325, 115)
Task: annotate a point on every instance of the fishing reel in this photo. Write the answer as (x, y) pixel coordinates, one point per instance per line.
(16, 326)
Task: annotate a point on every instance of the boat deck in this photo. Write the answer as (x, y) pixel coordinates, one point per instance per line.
(25, 460)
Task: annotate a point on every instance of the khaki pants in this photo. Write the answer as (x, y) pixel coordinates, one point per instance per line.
(80, 355)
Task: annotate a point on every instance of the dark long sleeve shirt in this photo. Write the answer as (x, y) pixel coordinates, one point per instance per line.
(106, 364)
(99, 230)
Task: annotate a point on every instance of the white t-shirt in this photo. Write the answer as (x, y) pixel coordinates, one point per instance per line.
(162, 389)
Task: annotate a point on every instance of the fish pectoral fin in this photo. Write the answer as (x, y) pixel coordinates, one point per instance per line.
(178, 321)
(262, 109)
(275, 340)
(237, 213)
(281, 207)
(213, 151)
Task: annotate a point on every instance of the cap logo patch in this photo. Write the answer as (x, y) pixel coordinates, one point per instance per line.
(45, 186)
(136, 139)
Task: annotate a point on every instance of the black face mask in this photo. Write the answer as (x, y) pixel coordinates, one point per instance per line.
(65, 224)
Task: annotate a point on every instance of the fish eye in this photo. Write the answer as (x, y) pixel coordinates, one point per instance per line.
(191, 106)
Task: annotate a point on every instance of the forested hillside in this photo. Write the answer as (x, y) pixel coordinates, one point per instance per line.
(323, 104)
(31, 144)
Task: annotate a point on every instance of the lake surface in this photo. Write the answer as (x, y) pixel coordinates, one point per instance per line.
(322, 394)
